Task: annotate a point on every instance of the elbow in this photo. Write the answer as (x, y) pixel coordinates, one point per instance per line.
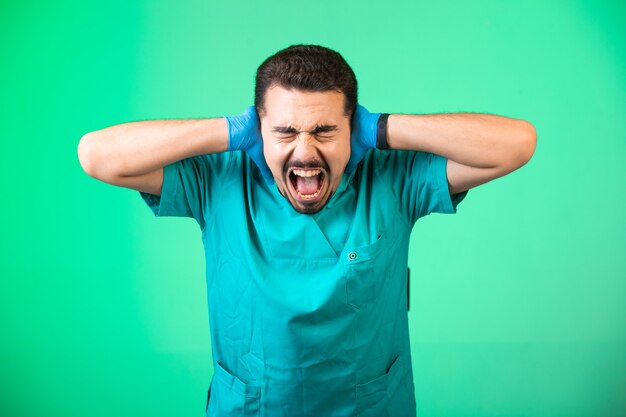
(527, 144)
(530, 142)
(521, 150)
(86, 154)
(92, 160)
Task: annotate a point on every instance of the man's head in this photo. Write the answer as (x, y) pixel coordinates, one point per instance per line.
(305, 97)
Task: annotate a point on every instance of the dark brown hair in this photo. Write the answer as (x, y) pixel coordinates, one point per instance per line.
(308, 68)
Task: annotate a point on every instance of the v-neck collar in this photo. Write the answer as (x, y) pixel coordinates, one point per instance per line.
(316, 233)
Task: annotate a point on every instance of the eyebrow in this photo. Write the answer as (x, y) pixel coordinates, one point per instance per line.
(318, 129)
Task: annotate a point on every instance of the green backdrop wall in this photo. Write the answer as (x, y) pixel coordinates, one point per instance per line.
(517, 301)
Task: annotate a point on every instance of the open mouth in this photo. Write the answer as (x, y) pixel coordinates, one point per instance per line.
(307, 185)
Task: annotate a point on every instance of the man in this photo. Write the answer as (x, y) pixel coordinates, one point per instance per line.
(306, 203)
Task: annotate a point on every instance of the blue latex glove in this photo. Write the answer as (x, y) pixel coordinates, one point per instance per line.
(364, 126)
(244, 133)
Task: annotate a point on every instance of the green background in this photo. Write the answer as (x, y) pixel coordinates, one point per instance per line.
(517, 301)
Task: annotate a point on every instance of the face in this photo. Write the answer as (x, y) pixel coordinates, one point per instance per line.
(306, 142)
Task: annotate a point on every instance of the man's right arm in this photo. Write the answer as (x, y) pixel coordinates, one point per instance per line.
(133, 155)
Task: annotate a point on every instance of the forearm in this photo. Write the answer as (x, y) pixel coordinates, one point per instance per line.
(136, 148)
(473, 139)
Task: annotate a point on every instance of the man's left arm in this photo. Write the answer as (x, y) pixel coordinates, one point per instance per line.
(479, 147)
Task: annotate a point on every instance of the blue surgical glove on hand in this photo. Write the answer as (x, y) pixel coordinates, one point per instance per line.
(244, 133)
(364, 128)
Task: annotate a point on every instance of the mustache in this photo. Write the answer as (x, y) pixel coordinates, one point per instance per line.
(311, 164)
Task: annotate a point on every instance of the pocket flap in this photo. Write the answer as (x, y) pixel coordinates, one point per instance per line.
(356, 254)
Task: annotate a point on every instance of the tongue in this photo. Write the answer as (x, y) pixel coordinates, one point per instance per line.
(308, 185)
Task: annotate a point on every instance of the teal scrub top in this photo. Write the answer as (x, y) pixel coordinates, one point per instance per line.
(308, 312)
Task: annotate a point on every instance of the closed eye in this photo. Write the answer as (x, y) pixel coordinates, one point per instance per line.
(284, 138)
(290, 130)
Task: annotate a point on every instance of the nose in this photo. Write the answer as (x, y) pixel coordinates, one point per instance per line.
(305, 149)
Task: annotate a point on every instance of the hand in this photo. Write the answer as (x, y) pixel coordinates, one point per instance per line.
(244, 133)
(363, 132)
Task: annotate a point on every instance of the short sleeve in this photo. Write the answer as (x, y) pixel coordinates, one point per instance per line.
(419, 181)
(188, 187)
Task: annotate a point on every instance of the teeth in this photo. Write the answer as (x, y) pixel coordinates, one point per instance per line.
(306, 173)
(308, 196)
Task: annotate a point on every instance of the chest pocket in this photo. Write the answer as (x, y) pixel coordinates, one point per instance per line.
(365, 271)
